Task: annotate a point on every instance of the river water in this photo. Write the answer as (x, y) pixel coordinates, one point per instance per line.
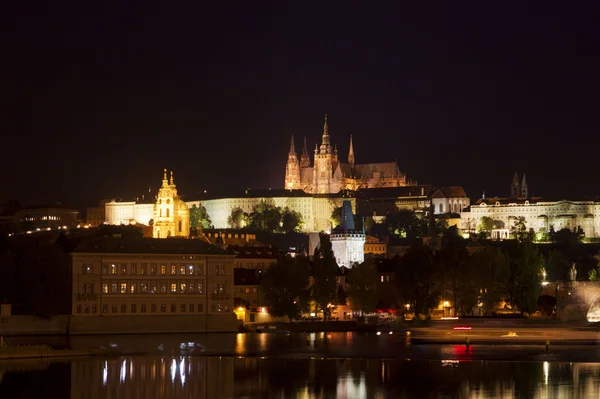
(333, 365)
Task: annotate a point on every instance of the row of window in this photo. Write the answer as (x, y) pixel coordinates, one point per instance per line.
(247, 290)
(153, 269)
(152, 308)
(153, 287)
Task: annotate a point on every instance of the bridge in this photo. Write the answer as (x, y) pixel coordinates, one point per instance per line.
(578, 301)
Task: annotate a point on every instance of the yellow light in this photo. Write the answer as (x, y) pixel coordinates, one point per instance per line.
(240, 309)
(263, 310)
(446, 304)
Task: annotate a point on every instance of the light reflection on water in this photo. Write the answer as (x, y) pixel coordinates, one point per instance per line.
(226, 377)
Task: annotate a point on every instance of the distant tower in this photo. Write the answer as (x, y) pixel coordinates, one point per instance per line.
(292, 169)
(347, 243)
(351, 153)
(515, 187)
(325, 162)
(524, 189)
(305, 158)
(171, 214)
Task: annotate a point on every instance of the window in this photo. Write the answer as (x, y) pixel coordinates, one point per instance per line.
(86, 269)
(173, 288)
(179, 226)
(143, 308)
(104, 268)
(168, 212)
(382, 279)
(254, 289)
(191, 288)
(191, 270)
(163, 288)
(78, 308)
(220, 307)
(153, 308)
(143, 269)
(114, 308)
(123, 288)
(105, 288)
(182, 287)
(247, 290)
(133, 269)
(153, 269)
(133, 308)
(191, 307)
(163, 270)
(94, 308)
(82, 289)
(104, 308)
(133, 288)
(199, 307)
(123, 308)
(143, 288)
(114, 288)
(113, 269)
(124, 268)
(173, 270)
(86, 309)
(173, 308)
(182, 270)
(163, 307)
(200, 288)
(200, 270)
(183, 307)
(153, 286)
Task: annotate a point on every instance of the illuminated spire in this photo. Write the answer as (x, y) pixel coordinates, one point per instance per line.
(165, 181)
(171, 181)
(292, 149)
(325, 143)
(351, 153)
(305, 158)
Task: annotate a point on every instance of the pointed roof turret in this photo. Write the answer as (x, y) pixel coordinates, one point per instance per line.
(165, 181)
(516, 178)
(305, 158)
(292, 149)
(351, 153)
(171, 180)
(325, 143)
(524, 181)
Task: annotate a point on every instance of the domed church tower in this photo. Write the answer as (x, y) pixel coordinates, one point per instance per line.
(171, 214)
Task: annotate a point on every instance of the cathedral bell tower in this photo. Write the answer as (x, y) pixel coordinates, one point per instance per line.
(292, 169)
(325, 162)
(171, 214)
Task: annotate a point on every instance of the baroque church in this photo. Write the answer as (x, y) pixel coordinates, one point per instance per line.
(171, 214)
(329, 176)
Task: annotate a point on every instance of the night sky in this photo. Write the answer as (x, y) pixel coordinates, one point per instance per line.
(97, 101)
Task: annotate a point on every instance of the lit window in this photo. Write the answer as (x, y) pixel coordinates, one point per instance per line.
(191, 288)
(200, 288)
(173, 287)
(114, 288)
(163, 307)
(105, 288)
(173, 270)
(113, 269)
(124, 268)
(182, 270)
(143, 288)
(132, 288)
(143, 269)
(133, 269)
(123, 288)
(163, 270)
(191, 270)
(247, 290)
(182, 288)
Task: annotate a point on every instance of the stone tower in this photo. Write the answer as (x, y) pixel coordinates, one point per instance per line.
(524, 188)
(325, 162)
(292, 169)
(171, 214)
(347, 243)
(305, 158)
(515, 187)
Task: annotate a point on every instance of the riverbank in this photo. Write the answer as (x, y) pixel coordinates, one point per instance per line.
(39, 352)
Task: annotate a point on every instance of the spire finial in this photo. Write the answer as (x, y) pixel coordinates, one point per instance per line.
(351, 153)
(292, 149)
(165, 174)
(171, 181)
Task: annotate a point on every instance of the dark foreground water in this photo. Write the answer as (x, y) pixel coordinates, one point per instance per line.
(305, 366)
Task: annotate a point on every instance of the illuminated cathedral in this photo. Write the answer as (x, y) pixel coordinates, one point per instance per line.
(171, 214)
(329, 176)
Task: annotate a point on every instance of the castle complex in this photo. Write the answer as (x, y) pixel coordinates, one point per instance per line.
(329, 176)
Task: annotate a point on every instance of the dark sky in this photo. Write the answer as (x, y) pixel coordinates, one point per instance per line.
(96, 101)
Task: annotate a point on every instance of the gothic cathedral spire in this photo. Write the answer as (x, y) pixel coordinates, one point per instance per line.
(325, 143)
(515, 186)
(305, 158)
(292, 169)
(524, 188)
(351, 153)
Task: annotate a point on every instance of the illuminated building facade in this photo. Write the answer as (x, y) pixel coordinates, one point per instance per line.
(539, 214)
(137, 282)
(347, 243)
(121, 212)
(171, 214)
(329, 176)
(45, 217)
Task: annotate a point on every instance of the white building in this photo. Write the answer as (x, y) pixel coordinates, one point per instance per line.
(347, 243)
(127, 212)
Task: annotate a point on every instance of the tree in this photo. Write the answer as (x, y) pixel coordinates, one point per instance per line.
(519, 230)
(325, 270)
(237, 218)
(336, 216)
(291, 221)
(525, 278)
(265, 216)
(199, 217)
(486, 224)
(593, 275)
(557, 264)
(416, 274)
(565, 237)
(406, 224)
(362, 290)
(285, 287)
(493, 274)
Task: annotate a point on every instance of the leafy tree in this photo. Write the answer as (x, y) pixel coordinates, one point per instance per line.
(525, 278)
(265, 216)
(593, 275)
(285, 287)
(336, 216)
(440, 226)
(362, 291)
(291, 221)
(519, 230)
(565, 237)
(369, 223)
(325, 269)
(457, 274)
(493, 274)
(406, 223)
(416, 274)
(486, 224)
(199, 217)
(237, 218)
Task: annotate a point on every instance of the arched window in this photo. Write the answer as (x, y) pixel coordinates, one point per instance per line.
(169, 233)
(168, 213)
(441, 208)
(180, 226)
(157, 233)
(160, 212)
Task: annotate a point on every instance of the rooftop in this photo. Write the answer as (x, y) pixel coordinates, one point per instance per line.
(148, 245)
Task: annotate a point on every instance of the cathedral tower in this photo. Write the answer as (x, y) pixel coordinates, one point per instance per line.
(351, 153)
(171, 214)
(515, 187)
(292, 169)
(305, 158)
(524, 188)
(325, 163)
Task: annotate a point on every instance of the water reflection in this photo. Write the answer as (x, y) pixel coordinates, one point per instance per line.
(226, 377)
